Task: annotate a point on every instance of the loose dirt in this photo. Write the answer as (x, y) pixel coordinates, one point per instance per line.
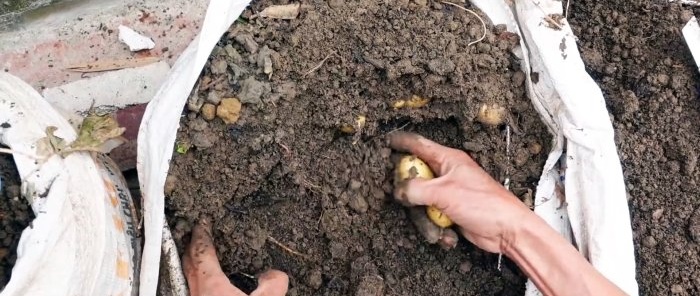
(636, 52)
(286, 172)
(15, 216)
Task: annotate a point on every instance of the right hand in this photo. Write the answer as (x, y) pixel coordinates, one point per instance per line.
(486, 213)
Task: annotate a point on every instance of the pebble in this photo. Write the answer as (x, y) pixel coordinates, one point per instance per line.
(465, 267)
(218, 66)
(662, 79)
(252, 91)
(229, 110)
(336, 3)
(213, 97)
(535, 148)
(656, 215)
(264, 60)
(315, 279)
(208, 112)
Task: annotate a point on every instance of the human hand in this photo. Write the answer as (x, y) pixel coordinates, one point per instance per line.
(485, 211)
(204, 274)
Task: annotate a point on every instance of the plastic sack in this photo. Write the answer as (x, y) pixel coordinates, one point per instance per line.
(595, 214)
(84, 239)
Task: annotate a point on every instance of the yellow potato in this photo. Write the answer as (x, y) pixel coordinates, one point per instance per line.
(491, 114)
(438, 217)
(410, 167)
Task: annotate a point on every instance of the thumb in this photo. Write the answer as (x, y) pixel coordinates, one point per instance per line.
(416, 192)
(272, 283)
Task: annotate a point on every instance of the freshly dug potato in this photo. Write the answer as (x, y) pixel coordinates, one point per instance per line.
(410, 167)
(492, 115)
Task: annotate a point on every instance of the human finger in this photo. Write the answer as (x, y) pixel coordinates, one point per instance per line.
(272, 283)
(417, 192)
(431, 232)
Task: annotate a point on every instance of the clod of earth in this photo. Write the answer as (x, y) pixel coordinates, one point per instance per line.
(229, 110)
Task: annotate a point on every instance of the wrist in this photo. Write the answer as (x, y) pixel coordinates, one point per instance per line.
(516, 226)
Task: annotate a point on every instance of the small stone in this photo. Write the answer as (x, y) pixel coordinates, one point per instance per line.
(677, 289)
(264, 60)
(252, 91)
(194, 104)
(208, 112)
(214, 97)
(656, 215)
(218, 66)
(662, 79)
(229, 110)
(521, 157)
(649, 241)
(170, 185)
(499, 29)
(441, 66)
(315, 279)
(358, 203)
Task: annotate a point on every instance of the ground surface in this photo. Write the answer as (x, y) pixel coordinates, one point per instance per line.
(285, 171)
(636, 53)
(15, 216)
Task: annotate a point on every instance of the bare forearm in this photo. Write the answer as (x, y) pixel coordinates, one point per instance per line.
(552, 263)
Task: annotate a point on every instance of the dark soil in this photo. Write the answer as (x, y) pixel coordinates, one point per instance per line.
(636, 52)
(285, 171)
(15, 216)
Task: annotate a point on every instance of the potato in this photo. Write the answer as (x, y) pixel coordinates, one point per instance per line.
(410, 167)
(491, 114)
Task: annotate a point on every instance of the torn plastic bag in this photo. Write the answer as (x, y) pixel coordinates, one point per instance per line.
(84, 238)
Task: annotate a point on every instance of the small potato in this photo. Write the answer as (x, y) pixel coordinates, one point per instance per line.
(410, 167)
(491, 114)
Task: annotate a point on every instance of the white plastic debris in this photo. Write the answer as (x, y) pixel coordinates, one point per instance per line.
(84, 239)
(134, 40)
(691, 34)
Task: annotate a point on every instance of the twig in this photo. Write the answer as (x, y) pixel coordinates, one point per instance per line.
(212, 83)
(274, 241)
(483, 24)
(548, 18)
(566, 13)
(399, 128)
(319, 64)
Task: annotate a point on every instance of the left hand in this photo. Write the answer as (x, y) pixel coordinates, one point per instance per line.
(204, 274)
